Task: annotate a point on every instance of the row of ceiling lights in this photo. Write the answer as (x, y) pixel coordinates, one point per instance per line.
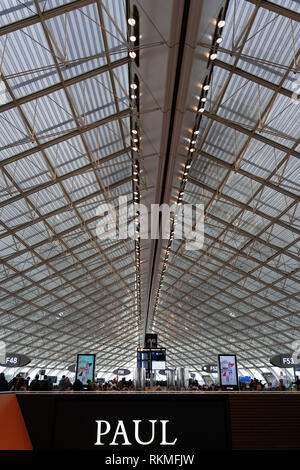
(135, 145)
(217, 39)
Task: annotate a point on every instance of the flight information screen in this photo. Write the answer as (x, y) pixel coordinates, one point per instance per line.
(151, 359)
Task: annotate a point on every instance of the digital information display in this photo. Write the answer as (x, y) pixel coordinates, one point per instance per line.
(228, 371)
(151, 359)
(85, 367)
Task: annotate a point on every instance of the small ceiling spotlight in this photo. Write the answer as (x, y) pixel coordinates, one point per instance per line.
(133, 97)
(131, 21)
(203, 100)
(132, 38)
(192, 150)
(196, 132)
(213, 56)
(221, 23)
(132, 54)
(201, 110)
(219, 40)
(206, 87)
(135, 148)
(133, 86)
(134, 131)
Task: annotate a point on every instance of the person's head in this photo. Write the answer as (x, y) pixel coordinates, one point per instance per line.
(28, 378)
(45, 377)
(63, 377)
(37, 377)
(2, 376)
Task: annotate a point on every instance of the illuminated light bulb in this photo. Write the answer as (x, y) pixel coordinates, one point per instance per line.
(133, 86)
(135, 140)
(219, 40)
(201, 110)
(135, 149)
(192, 150)
(206, 87)
(203, 100)
(131, 21)
(132, 38)
(132, 54)
(196, 132)
(134, 131)
(212, 56)
(133, 97)
(188, 166)
(193, 142)
(221, 23)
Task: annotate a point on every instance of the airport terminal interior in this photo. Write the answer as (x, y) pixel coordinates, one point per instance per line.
(149, 198)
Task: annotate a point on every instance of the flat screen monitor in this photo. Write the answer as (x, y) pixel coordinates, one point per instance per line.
(158, 359)
(85, 367)
(228, 371)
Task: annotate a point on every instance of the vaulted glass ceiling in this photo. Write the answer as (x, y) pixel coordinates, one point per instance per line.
(65, 148)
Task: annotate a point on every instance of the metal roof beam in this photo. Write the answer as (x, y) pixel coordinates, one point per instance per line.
(251, 134)
(68, 82)
(247, 174)
(59, 179)
(293, 15)
(46, 15)
(246, 207)
(69, 135)
(64, 208)
(252, 78)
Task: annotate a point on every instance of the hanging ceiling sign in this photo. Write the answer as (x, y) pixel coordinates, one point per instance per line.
(284, 361)
(121, 372)
(15, 360)
(210, 368)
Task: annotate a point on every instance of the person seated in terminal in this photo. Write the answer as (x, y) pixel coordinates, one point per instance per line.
(35, 384)
(50, 384)
(297, 383)
(282, 387)
(3, 383)
(12, 383)
(78, 386)
(27, 382)
(92, 386)
(44, 384)
(64, 383)
(21, 385)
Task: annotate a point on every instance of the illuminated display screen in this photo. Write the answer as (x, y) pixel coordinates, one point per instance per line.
(85, 367)
(228, 370)
(151, 359)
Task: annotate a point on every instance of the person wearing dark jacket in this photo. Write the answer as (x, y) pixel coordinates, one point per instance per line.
(77, 386)
(35, 384)
(3, 383)
(44, 384)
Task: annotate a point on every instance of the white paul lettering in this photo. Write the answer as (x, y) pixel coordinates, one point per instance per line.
(104, 428)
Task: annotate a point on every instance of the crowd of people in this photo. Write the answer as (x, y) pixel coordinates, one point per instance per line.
(44, 384)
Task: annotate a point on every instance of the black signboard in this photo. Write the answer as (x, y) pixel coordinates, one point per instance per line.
(121, 372)
(284, 361)
(120, 423)
(211, 368)
(72, 368)
(15, 360)
(151, 340)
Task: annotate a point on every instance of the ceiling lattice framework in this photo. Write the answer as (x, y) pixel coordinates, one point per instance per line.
(240, 293)
(65, 149)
